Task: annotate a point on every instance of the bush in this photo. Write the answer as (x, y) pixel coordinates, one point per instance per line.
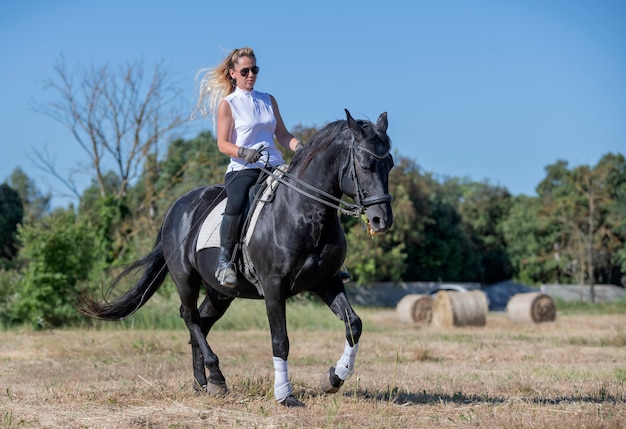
(9, 282)
(59, 253)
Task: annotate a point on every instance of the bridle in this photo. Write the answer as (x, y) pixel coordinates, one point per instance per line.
(359, 196)
(329, 200)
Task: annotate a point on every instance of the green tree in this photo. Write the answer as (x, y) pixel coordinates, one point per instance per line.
(9, 290)
(374, 258)
(11, 213)
(35, 203)
(530, 238)
(111, 218)
(612, 258)
(441, 249)
(483, 208)
(616, 217)
(58, 252)
(554, 187)
(189, 164)
(582, 203)
(446, 253)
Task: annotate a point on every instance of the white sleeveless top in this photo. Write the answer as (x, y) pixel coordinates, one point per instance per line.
(255, 124)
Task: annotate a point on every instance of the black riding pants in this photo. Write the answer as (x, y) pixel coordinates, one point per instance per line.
(238, 183)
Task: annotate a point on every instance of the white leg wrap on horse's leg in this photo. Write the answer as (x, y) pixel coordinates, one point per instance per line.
(345, 365)
(282, 386)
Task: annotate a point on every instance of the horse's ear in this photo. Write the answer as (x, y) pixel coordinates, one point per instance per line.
(356, 128)
(381, 123)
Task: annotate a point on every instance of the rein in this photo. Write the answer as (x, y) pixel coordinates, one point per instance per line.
(355, 210)
(335, 203)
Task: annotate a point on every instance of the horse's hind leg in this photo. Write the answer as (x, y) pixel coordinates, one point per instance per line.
(337, 301)
(199, 371)
(211, 310)
(199, 323)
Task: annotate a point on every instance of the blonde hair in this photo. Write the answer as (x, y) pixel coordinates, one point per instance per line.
(215, 83)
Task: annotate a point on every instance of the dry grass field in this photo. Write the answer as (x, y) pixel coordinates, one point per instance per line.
(565, 374)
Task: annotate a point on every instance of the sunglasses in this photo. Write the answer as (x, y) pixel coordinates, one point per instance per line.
(244, 71)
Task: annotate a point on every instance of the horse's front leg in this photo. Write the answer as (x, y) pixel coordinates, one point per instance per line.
(275, 303)
(337, 301)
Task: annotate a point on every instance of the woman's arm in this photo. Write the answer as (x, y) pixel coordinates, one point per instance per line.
(284, 137)
(225, 124)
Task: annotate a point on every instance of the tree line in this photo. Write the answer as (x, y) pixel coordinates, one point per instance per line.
(445, 229)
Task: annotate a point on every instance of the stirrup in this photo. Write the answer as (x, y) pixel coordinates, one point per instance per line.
(223, 274)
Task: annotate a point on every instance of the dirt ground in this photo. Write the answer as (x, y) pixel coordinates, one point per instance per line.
(562, 374)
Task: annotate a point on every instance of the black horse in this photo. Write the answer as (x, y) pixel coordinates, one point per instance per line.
(297, 245)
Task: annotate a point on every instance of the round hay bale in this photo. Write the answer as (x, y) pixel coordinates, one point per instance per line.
(532, 307)
(415, 309)
(451, 308)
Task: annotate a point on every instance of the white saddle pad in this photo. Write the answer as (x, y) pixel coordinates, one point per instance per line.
(209, 235)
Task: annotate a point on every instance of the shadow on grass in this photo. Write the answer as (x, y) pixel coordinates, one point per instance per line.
(399, 397)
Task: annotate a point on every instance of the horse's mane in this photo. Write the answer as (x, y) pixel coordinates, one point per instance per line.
(319, 143)
(324, 138)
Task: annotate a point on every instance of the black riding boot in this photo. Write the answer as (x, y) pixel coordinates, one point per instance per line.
(344, 275)
(229, 235)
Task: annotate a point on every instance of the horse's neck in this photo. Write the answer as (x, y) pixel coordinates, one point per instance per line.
(323, 172)
(322, 175)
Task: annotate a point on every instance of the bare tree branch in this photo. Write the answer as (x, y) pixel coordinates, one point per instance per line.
(118, 118)
(45, 162)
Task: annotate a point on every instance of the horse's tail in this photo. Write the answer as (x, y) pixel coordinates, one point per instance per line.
(154, 272)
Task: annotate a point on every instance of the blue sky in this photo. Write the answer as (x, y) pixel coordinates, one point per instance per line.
(484, 89)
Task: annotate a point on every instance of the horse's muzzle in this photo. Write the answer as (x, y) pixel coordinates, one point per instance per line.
(380, 218)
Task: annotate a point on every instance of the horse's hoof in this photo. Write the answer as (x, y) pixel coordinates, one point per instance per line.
(216, 389)
(330, 382)
(290, 401)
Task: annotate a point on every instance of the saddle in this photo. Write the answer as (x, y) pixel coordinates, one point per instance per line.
(260, 195)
